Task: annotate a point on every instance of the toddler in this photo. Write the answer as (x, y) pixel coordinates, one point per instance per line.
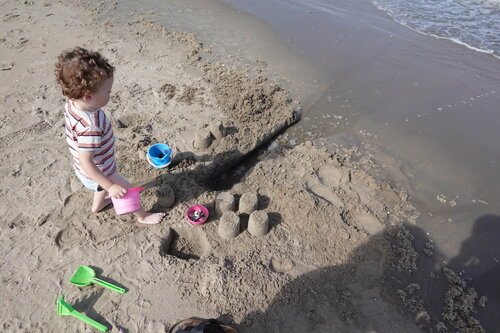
(86, 79)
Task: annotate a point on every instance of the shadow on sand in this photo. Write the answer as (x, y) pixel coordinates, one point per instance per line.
(370, 294)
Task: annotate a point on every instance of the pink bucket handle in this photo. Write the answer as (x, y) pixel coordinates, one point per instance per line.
(139, 189)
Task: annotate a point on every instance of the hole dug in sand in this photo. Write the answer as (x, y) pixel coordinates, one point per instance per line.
(184, 243)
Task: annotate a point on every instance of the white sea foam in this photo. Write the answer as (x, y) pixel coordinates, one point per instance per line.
(471, 23)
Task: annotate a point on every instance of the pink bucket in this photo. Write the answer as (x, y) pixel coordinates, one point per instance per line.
(130, 202)
(200, 220)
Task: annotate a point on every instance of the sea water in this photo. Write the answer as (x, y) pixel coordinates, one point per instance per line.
(472, 23)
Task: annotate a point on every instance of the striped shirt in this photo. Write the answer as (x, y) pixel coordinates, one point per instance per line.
(90, 132)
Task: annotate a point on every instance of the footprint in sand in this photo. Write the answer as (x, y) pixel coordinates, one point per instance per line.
(331, 176)
(19, 222)
(322, 184)
(169, 90)
(104, 236)
(370, 223)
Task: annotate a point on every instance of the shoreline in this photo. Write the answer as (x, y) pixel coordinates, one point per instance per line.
(422, 108)
(327, 214)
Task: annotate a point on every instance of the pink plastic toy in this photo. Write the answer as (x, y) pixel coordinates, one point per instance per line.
(197, 214)
(130, 202)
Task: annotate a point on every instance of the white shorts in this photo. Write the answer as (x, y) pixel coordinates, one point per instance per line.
(88, 183)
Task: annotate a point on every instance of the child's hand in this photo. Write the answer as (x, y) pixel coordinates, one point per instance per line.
(116, 191)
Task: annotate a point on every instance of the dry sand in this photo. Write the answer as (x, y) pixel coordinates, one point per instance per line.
(336, 258)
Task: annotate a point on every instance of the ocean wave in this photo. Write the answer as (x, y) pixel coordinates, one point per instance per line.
(470, 23)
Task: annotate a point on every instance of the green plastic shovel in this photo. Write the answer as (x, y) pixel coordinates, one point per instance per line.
(65, 309)
(85, 276)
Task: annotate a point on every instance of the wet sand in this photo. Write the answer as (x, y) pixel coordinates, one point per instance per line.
(426, 109)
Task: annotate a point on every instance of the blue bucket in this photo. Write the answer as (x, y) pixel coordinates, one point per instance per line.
(159, 155)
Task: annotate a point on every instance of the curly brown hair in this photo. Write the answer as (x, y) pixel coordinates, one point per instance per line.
(81, 72)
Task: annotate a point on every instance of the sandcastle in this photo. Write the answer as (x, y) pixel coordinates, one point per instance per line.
(224, 202)
(205, 135)
(229, 225)
(258, 223)
(249, 202)
(230, 221)
(202, 139)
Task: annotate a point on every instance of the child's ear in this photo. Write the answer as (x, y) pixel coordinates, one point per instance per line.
(87, 98)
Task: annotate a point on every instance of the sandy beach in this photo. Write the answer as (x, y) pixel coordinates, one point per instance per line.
(342, 253)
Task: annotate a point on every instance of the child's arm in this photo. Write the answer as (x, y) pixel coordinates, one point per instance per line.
(86, 160)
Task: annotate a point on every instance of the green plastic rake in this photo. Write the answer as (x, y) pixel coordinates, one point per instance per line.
(65, 309)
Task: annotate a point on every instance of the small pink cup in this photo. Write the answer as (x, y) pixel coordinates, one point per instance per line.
(194, 208)
(130, 202)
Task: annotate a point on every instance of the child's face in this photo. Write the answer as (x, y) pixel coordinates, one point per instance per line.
(101, 97)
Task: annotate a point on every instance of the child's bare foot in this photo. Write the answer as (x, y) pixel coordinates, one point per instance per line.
(150, 218)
